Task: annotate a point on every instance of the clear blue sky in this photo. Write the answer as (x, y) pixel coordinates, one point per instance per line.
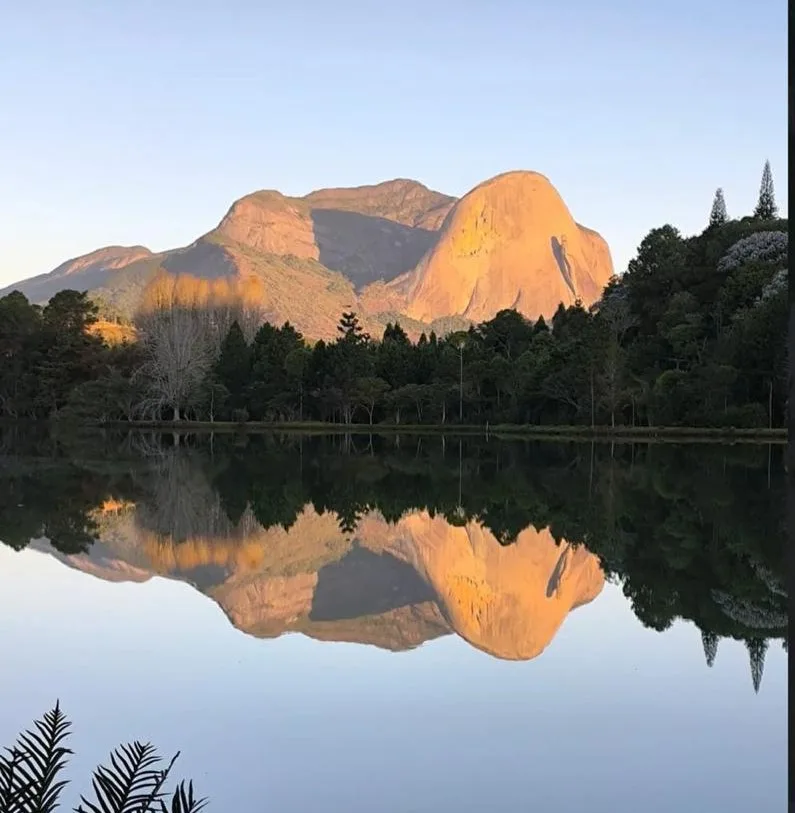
(128, 122)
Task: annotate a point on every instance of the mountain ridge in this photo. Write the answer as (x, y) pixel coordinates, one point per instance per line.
(394, 585)
(395, 249)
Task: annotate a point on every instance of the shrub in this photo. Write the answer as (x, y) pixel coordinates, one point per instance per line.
(748, 416)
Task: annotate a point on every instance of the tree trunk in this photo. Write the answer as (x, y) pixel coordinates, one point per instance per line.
(176, 413)
(461, 385)
(770, 405)
(769, 460)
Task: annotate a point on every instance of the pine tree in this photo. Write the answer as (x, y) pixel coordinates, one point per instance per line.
(718, 216)
(710, 642)
(350, 330)
(541, 326)
(766, 208)
(756, 650)
(395, 333)
(233, 368)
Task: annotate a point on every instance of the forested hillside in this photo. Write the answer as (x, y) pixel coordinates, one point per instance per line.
(693, 333)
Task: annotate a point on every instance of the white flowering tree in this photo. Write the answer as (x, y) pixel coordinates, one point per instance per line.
(760, 247)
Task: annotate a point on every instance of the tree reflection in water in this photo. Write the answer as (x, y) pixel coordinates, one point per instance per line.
(692, 532)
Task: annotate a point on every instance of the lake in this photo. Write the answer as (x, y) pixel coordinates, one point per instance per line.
(398, 623)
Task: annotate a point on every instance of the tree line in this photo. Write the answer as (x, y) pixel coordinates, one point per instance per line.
(694, 333)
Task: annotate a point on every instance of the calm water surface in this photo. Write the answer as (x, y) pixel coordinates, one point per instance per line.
(372, 624)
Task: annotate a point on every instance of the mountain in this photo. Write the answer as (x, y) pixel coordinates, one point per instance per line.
(393, 585)
(402, 200)
(86, 273)
(392, 250)
(509, 243)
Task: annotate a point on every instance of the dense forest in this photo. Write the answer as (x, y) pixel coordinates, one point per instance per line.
(692, 334)
(693, 533)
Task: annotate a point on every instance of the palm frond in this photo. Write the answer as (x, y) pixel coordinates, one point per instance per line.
(29, 774)
(10, 801)
(183, 800)
(130, 784)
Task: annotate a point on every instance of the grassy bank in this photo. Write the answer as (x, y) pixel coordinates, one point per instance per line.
(690, 434)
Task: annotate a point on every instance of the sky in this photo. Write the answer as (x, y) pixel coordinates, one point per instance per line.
(139, 123)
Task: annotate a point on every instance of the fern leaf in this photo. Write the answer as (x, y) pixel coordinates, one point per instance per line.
(183, 801)
(13, 796)
(130, 784)
(29, 779)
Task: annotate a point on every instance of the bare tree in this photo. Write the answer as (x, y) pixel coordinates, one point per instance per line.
(179, 349)
(181, 504)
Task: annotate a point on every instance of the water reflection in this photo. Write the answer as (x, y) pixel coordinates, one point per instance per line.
(395, 541)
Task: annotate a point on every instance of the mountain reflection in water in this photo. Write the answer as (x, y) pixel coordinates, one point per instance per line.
(394, 541)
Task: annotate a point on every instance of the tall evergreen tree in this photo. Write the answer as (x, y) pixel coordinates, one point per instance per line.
(395, 333)
(350, 330)
(233, 368)
(766, 208)
(757, 647)
(710, 642)
(718, 216)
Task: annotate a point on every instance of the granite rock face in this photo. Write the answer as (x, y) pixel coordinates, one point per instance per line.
(509, 243)
(390, 250)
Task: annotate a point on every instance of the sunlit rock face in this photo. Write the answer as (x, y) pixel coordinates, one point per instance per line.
(507, 600)
(509, 243)
(393, 585)
(391, 250)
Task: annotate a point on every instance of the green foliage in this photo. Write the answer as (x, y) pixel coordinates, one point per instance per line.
(110, 397)
(133, 782)
(654, 274)
(369, 391)
(274, 387)
(47, 353)
(233, 369)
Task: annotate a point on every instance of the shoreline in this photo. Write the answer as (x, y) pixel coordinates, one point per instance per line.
(690, 434)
